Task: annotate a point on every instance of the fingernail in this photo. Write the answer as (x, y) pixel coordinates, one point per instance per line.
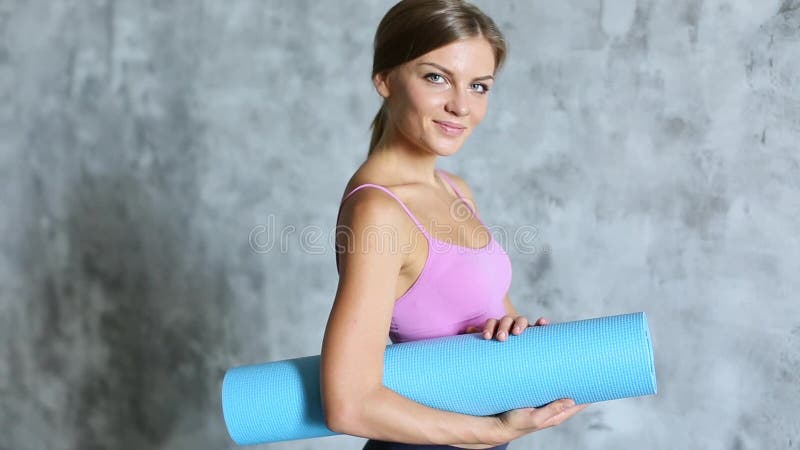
(517, 329)
(569, 404)
(487, 335)
(501, 335)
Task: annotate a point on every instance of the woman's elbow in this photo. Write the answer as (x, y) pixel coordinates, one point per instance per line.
(337, 402)
(338, 418)
(345, 410)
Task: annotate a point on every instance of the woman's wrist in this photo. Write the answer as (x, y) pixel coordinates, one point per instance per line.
(500, 432)
(491, 433)
(472, 446)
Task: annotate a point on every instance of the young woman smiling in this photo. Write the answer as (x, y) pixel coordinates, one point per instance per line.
(441, 272)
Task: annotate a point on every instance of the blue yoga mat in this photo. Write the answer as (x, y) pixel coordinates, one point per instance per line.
(589, 361)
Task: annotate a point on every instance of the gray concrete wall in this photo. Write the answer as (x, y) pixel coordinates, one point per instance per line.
(653, 146)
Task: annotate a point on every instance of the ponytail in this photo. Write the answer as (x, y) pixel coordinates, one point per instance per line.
(378, 126)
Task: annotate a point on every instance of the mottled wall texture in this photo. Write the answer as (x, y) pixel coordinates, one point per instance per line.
(170, 174)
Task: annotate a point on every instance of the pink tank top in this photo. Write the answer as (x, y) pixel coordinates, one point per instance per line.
(458, 286)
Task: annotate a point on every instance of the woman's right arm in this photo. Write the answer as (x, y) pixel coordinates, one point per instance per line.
(351, 361)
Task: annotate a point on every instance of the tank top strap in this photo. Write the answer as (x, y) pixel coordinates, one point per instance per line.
(458, 193)
(405, 208)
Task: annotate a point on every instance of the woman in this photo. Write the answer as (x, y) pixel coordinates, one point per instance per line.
(434, 63)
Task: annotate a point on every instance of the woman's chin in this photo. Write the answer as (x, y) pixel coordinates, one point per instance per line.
(445, 147)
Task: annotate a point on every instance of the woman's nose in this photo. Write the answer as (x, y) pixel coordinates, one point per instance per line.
(457, 103)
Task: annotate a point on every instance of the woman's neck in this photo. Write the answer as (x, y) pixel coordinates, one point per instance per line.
(407, 161)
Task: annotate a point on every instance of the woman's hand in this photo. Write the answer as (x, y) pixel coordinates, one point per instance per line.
(500, 329)
(518, 422)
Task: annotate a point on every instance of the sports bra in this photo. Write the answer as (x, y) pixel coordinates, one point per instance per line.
(458, 286)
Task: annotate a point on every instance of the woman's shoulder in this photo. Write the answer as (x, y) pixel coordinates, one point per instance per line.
(457, 180)
(369, 214)
(460, 184)
(376, 183)
(373, 205)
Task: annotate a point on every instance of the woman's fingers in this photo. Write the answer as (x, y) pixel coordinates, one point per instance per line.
(566, 414)
(557, 412)
(520, 323)
(503, 328)
(497, 328)
(488, 328)
(507, 325)
(471, 329)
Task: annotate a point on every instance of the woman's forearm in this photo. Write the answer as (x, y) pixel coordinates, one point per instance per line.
(388, 416)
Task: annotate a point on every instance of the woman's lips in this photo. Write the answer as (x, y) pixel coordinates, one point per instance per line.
(449, 128)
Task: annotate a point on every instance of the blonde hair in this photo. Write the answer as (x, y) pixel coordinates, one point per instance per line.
(412, 28)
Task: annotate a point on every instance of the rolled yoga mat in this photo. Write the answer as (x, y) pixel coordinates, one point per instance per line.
(589, 361)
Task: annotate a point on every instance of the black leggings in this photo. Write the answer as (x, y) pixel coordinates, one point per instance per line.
(383, 445)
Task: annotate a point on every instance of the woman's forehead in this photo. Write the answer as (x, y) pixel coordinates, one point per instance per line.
(472, 58)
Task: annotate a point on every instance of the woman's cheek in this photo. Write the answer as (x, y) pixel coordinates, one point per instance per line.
(478, 111)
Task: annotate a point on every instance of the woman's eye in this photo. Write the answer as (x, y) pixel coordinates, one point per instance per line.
(434, 77)
(480, 88)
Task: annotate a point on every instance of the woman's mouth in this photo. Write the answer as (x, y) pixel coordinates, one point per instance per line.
(450, 128)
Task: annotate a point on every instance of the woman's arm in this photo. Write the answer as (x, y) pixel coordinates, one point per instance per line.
(354, 399)
(510, 310)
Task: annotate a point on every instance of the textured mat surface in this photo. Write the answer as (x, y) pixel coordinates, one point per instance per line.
(589, 360)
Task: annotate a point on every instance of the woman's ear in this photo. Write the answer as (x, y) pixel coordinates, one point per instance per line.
(381, 82)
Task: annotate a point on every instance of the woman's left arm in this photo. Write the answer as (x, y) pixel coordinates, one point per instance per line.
(510, 310)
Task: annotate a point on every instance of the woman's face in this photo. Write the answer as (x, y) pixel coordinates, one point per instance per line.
(436, 100)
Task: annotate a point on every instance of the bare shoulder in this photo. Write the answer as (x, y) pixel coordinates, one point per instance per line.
(368, 213)
(462, 186)
(371, 206)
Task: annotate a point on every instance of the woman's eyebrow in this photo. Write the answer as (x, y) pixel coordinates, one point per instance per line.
(450, 74)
